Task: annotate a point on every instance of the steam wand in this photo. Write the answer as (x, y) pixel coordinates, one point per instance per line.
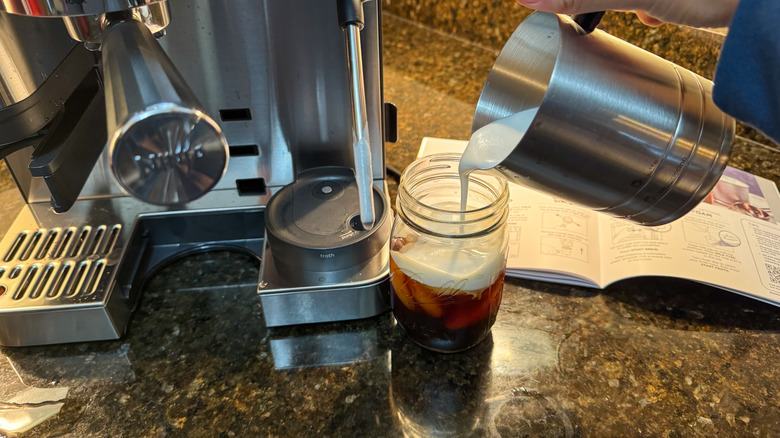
(351, 22)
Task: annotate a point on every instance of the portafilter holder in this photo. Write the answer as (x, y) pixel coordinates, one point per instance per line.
(164, 148)
(314, 227)
(618, 129)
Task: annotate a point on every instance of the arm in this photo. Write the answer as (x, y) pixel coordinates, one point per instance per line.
(747, 78)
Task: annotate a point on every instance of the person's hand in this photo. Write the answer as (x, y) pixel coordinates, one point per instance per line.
(698, 13)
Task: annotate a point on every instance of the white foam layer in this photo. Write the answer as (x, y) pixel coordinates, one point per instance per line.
(452, 270)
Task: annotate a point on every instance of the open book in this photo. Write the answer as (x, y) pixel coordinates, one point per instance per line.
(731, 240)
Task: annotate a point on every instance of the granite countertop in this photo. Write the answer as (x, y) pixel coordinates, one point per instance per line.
(643, 357)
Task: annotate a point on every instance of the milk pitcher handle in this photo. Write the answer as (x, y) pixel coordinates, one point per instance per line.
(589, 20)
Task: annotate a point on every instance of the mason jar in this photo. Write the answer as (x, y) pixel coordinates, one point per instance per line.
(447, 265)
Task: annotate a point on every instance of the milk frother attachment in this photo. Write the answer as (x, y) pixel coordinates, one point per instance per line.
(314, 227)
(164, 148)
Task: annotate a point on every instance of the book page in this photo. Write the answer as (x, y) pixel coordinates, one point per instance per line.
(549, 239)
(731, 240)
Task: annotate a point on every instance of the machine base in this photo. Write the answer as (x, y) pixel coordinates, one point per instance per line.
(81, 280)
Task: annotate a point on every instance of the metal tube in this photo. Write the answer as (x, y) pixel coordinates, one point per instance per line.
(361, 146)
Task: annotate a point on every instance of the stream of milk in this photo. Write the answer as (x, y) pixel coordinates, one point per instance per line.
(490, 145)
(451, 268)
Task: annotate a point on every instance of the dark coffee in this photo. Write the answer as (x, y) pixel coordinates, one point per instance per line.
(444, 319)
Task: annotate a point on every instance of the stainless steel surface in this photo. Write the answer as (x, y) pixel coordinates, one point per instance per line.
(89, 28)
(60, 8)
(311, 87)
(618, 130)
(81, 281)
(297, 103)
(267, 72)
(86, 28)
(56, 282)
(361, 147)
(25, 62)
(328, 297)
(164, 149)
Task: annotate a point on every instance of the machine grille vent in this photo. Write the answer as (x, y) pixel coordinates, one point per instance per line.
(61, 243)
(58, 262)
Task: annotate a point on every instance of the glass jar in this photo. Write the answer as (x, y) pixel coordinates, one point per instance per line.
(447, 266)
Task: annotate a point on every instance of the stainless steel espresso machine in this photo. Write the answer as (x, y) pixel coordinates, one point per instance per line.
(142, 131)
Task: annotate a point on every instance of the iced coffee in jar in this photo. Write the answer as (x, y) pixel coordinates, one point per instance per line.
(447, 264)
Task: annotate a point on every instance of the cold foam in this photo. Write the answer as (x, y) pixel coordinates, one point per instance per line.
(490, 145)
(452, 270)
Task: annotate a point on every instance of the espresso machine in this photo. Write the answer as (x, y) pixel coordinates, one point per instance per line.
(142, 131)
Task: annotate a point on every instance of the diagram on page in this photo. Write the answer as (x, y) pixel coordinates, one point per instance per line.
(623, 232)
(564, 247)
(564, 221)
(710, 234)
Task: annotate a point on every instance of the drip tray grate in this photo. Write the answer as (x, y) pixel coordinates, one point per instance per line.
(81, 282)
(55, 282)
(56, 266)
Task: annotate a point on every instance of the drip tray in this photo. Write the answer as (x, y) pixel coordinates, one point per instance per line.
(54, 283)
(81, 282)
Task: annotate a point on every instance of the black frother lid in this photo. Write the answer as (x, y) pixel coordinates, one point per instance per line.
(314, 223)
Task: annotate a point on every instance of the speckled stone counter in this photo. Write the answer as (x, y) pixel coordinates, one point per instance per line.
(645, 357)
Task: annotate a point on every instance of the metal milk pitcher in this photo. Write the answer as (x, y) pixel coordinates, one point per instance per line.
(619, 130)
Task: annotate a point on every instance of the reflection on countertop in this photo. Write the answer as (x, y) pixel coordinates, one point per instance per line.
(645, 357)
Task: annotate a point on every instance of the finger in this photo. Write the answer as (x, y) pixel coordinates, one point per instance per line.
(648, 20)
(712, 13)
(583, 6)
